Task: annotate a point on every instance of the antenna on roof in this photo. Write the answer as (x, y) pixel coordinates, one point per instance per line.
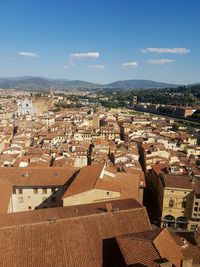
(52, 219)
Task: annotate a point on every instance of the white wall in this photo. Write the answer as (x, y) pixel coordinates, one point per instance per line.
(30, 199)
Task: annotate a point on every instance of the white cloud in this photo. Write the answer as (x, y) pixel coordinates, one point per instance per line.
(130, 64)
(161, 61)
(65, 67)
(97, 67)
(176, 50)
(92, 55)
(28, 54)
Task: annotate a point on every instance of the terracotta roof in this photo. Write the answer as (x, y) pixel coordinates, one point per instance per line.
(138, 252)
(106, 185)
(191, 250)
(147, 248)
(67, 241)
(43, 215)
(37, 176)
(128, 183)
(100, 142)
(159, 168)
(85, 180)
(5, 193)
(177, 181)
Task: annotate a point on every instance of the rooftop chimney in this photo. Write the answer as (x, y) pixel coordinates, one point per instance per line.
(109, 207)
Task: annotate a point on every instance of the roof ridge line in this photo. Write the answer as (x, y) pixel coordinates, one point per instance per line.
(67, 218)
(99, 174)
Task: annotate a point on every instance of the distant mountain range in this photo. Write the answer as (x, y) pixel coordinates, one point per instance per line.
(40, 83)
(140, 84)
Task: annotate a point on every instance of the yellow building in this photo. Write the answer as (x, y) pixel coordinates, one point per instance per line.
(89, 187)
(177, 200)
(98, 182)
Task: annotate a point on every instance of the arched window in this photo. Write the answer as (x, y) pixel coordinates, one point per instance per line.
(168, 220)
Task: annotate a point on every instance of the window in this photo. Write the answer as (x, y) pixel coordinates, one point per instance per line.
(195, 214)
(14, 190)
(44, 190)
(20, 200)
(29, 208)
(20, 191)
(195, 209)
(172, 191)
(35, 190)
(171, 202)
(107, 193)
(196, 203)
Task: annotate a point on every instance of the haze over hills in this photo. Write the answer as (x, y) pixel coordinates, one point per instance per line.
(140, 84)
(40, 83)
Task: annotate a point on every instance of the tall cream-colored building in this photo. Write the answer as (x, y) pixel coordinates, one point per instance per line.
(177, 197)
(177, 201)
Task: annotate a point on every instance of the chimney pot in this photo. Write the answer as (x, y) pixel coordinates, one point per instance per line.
(109, 207)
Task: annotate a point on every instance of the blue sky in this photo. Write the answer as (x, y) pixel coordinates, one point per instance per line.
(101, 40)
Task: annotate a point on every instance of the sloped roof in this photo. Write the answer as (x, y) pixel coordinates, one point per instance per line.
(129, 184)
(89, 178)
(191, 251)
(147, 248)
(138, 252)
(85, 180)
(177, 181)
(35, 176)
(67, 241)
